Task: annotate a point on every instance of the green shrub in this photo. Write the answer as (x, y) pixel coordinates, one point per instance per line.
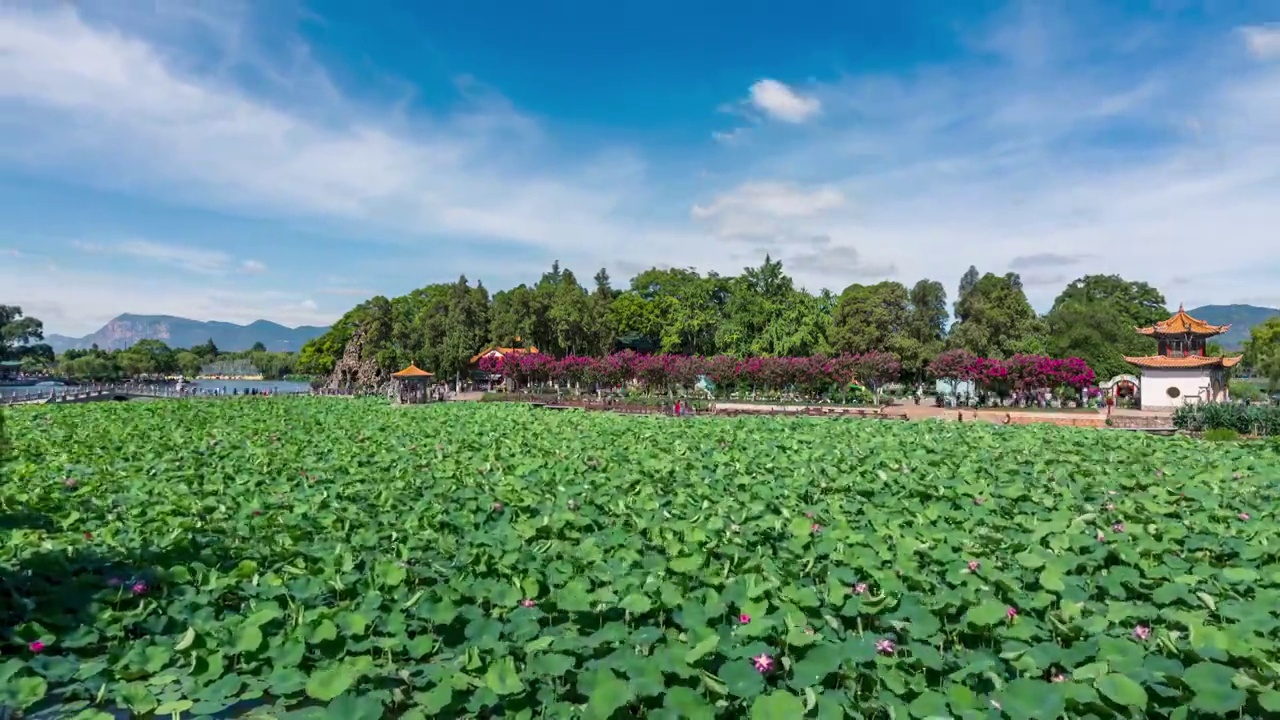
(4, 439)
(1261, 420)
(1242, 389)
(1221, 435)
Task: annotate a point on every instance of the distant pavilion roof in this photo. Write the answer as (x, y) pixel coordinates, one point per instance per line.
(1162, 362)
(1183, 324)
(505, 351)
(413, 371)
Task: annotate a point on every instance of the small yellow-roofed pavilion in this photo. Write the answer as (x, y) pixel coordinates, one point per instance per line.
(413, 371)
(1181, 372)
(412, 385)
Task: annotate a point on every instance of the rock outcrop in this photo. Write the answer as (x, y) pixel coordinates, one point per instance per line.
(357, 370)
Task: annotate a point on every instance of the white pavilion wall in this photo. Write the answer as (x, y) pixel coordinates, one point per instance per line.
(1192, 384)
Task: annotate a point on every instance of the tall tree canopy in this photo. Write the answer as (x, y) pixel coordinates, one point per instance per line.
(1262, 351)
(17, 331)
(994, 318)
(1095, 318)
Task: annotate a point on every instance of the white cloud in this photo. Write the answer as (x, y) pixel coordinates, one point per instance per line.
(986, 164)
(112, 110)
(253, 266)
(909, 175)
(347, 292)
(1263, 41)
(774, 199)
(780, 102)
(205, 262)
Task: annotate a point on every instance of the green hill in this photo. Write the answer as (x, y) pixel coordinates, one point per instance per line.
(1242, 318)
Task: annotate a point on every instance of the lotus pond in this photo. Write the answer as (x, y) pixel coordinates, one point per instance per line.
(330, 558)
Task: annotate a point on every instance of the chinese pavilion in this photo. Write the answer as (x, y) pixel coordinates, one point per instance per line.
(1181, 372)
(411, 385)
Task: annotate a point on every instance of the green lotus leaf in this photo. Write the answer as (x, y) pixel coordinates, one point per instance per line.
(777, 705)
(1122, 689)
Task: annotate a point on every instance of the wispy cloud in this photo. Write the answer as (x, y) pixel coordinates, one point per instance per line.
(147, 126)
(782, 102)
(253, 266)
(347, 292)
(984, 163)
(1164, 150)
(1263, 41)
(1045, 260)
(206, 262)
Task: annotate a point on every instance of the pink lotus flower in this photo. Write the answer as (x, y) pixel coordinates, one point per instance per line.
(1243, 516)
(1109, 506)
(974, 565)
(1118, 527)
(979, 501)
(1101, 537)
(859, 589)
(808, 631)
(1011, 613)
(808, 514)
(1058, 678)
(744, 618)
(886, 646)
(88, 536)
(1142, 632)
(36, 646)
(527, 603)
(69, 482)
(815, 528)
(497, 507)
(762, 662)
(138, 588)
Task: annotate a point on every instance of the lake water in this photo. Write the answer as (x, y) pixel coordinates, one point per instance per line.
(282, 387)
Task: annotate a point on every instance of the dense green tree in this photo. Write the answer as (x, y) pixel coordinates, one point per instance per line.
(871, 317)
(994, 318)
(187, 363)
(1095, 318)
(207, 351)
(689, 310)
(1140, 303)
(17, 330)
(1262, 351)
(147, 357)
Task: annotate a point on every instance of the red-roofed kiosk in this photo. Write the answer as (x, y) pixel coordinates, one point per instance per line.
(1181, 372)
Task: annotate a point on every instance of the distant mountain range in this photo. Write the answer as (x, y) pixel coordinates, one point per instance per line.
(177, 332)
(1241, 318)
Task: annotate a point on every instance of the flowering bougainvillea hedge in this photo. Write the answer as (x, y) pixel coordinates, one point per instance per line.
(813, 376)
(319, 558)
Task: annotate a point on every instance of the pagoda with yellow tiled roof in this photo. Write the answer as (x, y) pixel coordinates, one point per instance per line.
(1181, 372)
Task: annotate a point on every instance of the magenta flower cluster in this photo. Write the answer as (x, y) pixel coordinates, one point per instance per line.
(663, 371)
(1020, 373)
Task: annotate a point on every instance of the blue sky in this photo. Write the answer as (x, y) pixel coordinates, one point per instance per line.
(231, 161)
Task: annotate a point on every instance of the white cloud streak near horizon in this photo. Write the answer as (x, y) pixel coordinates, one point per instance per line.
(906, 176)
